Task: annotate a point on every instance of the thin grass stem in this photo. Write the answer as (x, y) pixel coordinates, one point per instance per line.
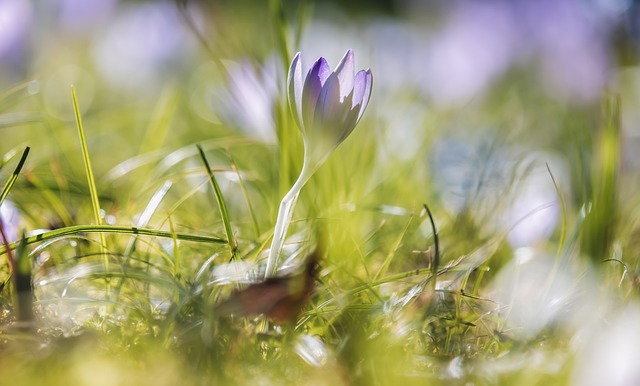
(14, 176)
(245, 193)
(224, 214)
(93, 191)
(78, 229)
(436, 257)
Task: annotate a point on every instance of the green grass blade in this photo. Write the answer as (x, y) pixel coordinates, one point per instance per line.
(245, 193)
(233, 246)
(281, 31)
(24, 290)
(176, 251)
(93, 191)
(14, 119)
(601, 223)
(148, 211)
(17, 94)
(103, 229)
(392, 252)
(87, 161)
(14, 176)
(52, 197)
(161, 118)
(436, 257)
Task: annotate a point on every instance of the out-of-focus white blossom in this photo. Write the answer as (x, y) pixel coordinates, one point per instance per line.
(248, 101)
(610, 356)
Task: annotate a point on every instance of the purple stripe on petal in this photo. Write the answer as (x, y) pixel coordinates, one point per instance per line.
(294, 83)
(315, 79)
(345, 71)
(328, 105)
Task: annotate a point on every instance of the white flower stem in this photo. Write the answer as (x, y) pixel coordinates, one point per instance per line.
(285, 212)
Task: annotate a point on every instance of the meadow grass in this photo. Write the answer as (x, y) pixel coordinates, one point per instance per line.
(150, 217)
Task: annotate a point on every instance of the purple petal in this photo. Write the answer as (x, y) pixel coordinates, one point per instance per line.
(367, 93)
(328, 107)
(315, 79)
(345, 71)
(349, 123)
(359, 86)
(294, 83)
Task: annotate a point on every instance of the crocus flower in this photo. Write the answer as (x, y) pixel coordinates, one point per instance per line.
(326, 105)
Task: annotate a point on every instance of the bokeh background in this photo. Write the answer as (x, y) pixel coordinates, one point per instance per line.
(460, 77)
(509, 118)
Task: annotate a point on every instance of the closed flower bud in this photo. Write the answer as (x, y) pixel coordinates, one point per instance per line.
(327, 104)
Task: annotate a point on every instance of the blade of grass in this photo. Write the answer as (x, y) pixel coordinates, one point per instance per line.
(143, 221)
(150, 209)
(214, 52)
(18, 93)
(245, 193)
(563, 233)
(7, 157)
(93, 192)
(279, 21)
(4, 241)
(77, 229)
(52, 198)
(305, 10)
(20, 276)
(601, 222)
(233, 246)
(161, 118)
(176, 251)
(14, 176)
(436, 257)
(392, 252)
(14, 119)
(24, 290)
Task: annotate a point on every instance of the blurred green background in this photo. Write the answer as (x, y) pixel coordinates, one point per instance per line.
(515, 121)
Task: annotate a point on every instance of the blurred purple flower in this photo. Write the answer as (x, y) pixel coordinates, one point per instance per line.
(10, 218)
(327, 105)
(476, 45)
(249, 99)
(575, 61)
(78, 16)
(15, 21)
(141, 45)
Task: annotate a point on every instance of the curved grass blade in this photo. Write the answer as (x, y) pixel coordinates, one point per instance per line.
(436, 258)
(93, 192)
(233, 246)
(245, 193)
(23, 286)
(14, 176)
(149, 210)
(14, 119)
(18, 93)
(392, 251)
(73, 230)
